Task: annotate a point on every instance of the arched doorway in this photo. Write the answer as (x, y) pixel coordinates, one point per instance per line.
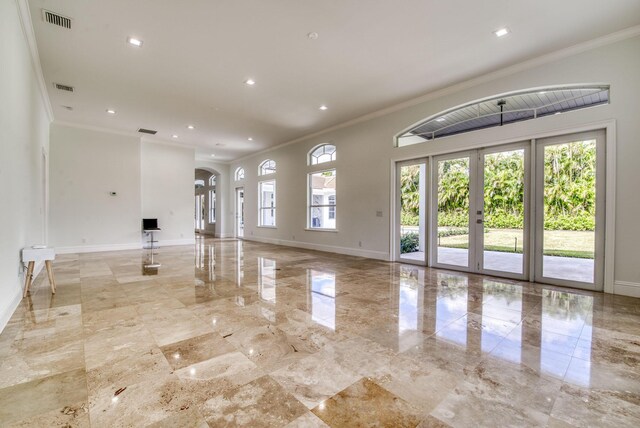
(205, 202)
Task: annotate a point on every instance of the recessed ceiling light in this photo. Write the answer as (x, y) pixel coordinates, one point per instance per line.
(174, 136)
(213, 156)
(250, 138)
(111, 111)
(323, 107)
(440, 119)
(191, 127)
(135, 42)
(313, 35)
(250, 82)
(501, 32)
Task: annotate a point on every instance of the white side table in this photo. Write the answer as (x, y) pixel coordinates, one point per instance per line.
(33, 255)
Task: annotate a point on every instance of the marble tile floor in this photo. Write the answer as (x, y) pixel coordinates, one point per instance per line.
(233, 333)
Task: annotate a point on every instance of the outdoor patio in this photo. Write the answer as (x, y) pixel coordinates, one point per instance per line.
(569, 268)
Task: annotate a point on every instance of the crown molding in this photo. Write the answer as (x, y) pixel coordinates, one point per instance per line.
(618, 36)
(27, 30)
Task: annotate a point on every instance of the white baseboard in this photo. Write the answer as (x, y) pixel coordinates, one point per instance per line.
(378, 255)
(626, 288)
(98, 248)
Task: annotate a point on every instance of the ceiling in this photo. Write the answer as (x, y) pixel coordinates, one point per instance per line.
(369, 54)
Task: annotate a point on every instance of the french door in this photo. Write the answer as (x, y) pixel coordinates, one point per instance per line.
(480, 205)
(570, 210)
(411, 210)
(531, 210)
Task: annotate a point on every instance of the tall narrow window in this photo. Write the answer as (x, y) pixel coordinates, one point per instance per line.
(239, 175)
(212, 206)
(322, 200)
(321, 205)
(267, 203)
(267, 167)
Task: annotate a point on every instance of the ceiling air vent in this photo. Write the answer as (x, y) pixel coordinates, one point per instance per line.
(147, 131)
(62, 87)
(55, 19)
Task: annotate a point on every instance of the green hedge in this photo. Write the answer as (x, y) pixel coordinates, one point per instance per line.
(409, 219)
(510, 221)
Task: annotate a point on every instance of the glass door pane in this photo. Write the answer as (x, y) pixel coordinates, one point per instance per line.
(240, 212)
(569, 190)
(412, 186)
(503, 199)
(452, 213)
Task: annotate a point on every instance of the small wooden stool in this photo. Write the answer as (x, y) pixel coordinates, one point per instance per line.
(33, 255)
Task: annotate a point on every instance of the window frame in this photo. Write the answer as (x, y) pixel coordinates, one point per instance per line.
(273, 207)
(212, 205)
(311, 206)
(262, 168)
(311, 157)
(237, 174)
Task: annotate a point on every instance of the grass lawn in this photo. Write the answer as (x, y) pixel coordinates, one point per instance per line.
(565, 243)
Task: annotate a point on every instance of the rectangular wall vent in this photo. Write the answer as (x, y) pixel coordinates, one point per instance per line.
(62, 87)
(147, 131)
(55, 19)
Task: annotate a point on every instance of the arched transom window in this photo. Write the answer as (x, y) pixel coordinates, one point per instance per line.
(499, 110)
(267, 167)
(239, 175)
(322, 154)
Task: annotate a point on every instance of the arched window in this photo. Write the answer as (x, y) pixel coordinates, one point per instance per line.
(322, 154)
(499, 110)
(239, 175)
(267, 167)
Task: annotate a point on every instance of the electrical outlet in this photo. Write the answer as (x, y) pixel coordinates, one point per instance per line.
(293, 237)
(378, 213)
(359, 243)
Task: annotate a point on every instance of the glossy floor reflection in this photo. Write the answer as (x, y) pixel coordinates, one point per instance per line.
(238, 333)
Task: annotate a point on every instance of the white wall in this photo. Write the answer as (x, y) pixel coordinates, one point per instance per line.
(24, 135)
(167, 190)
(366, 155)
(150, 180)
(87, 165)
